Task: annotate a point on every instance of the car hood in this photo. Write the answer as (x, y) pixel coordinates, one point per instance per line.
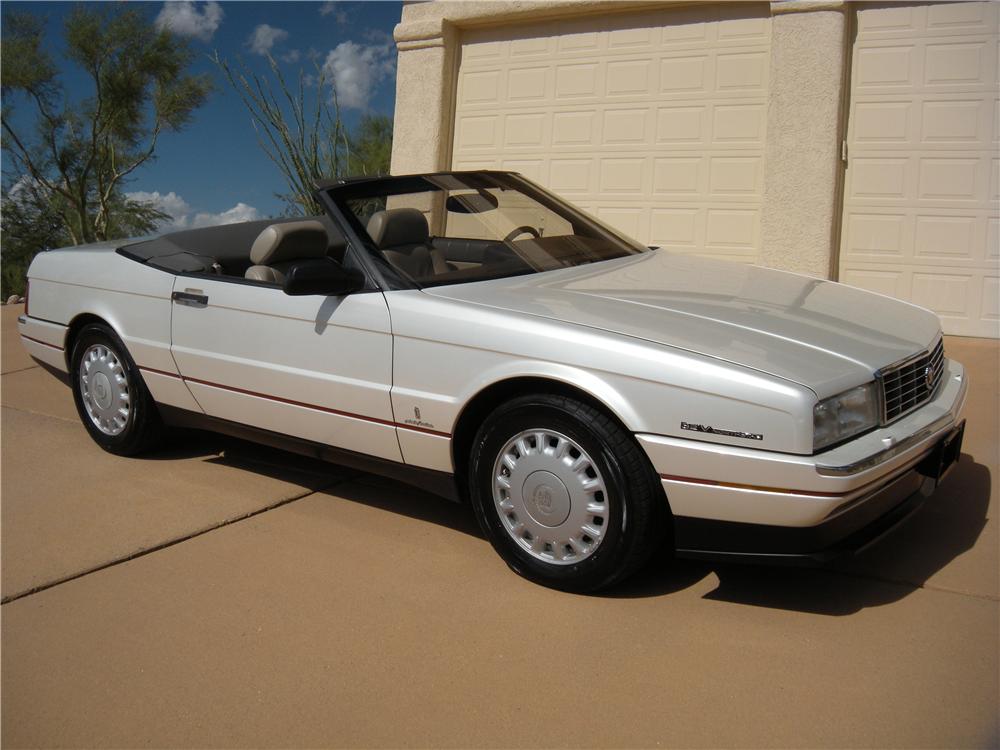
(820, 334)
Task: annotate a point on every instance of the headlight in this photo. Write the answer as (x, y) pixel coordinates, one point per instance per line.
(846, 414)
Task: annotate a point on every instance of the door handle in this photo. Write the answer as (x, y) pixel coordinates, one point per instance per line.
(190, 299)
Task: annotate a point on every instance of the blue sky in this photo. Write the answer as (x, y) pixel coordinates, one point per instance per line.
(215, 167)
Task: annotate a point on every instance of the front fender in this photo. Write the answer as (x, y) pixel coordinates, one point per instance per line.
(446, 352)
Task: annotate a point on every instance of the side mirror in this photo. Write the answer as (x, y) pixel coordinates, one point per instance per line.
(322, 276)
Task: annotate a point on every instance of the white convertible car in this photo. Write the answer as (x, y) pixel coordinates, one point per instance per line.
(473, 334)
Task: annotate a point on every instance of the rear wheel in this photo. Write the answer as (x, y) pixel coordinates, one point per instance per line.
(564, 494)
(111, 397)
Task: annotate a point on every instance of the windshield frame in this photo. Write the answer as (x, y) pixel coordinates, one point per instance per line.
(337, 197)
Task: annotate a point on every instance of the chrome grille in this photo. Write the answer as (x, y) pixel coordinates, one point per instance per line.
(910, 383)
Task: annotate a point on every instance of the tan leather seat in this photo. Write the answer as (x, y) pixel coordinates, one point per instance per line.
(403, 237)
(281, 245)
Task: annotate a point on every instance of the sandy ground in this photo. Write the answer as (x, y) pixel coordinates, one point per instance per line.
(217, 594)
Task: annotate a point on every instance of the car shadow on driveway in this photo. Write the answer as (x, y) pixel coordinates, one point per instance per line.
(946, 526)
(347, 483)
(231, 451)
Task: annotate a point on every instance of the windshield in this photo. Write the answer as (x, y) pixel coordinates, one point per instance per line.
(453, 228)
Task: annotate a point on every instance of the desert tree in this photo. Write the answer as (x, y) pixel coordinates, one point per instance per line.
(300, 129)
(78, 151)
(300, 132)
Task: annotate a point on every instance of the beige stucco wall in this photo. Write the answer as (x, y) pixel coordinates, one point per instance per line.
(802, 166)
(801, 208)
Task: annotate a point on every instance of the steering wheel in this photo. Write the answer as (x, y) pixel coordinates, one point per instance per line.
(522, 230)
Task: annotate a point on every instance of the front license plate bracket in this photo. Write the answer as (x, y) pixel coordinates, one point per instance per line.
(944, 456)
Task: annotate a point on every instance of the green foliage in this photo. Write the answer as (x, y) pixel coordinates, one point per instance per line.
(371, 147)
(81, 152)
(32, 221)
(28, 224)
(304, 135)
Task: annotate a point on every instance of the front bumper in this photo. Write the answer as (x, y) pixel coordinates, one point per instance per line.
(730, 502)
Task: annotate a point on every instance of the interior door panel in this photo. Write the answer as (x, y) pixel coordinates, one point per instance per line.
(458, 250)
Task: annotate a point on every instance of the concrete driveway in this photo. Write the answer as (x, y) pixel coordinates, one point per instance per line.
(217, 594)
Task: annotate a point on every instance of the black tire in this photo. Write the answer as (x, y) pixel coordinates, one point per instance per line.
(638, 515)
(143, 428)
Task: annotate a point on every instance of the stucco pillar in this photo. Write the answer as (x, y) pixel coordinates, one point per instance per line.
(802, 174)
(425, 86)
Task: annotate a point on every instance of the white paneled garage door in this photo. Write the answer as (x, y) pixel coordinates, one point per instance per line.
(921, 195)
(655, 121)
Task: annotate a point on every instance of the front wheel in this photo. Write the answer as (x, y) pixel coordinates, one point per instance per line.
(564, 493)
(111, 397)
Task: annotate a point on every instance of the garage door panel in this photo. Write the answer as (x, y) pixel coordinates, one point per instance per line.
(679, 177)
(625, 127)
(955, 122)
(961, 19)
(952, 295)
(656, 121)
(630, 220)
(942, 237)
(947, 239)
(955, 63)
(990, 309)
(533, 169)
(477, 132)
(952, 180)
(933, 180)
(526, 131)
(571, 176)
(878, 237)
(528, 84)
(885, 67)
(942, 121)
(678, 228)
(739, 124)
(622, 176)
(921, 192)
(890, 281)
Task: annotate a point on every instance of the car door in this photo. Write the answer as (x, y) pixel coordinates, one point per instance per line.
(314, 367)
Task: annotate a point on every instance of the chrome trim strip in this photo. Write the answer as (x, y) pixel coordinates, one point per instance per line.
(758, 488)
(889, 453)
(913, 357)
(890, 480)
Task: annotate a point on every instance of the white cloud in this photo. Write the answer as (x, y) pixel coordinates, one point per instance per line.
(183, 17)
(355, 70)
(264, 37)
(26, 190)
(330, 7)
(239, 212)
(182, 216)
(379, 37)
(170, 203)
(292, 56)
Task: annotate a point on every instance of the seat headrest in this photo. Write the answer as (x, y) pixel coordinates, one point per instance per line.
(398, 226)
(293, 240)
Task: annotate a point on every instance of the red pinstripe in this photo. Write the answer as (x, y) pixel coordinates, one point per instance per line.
(292, 402)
